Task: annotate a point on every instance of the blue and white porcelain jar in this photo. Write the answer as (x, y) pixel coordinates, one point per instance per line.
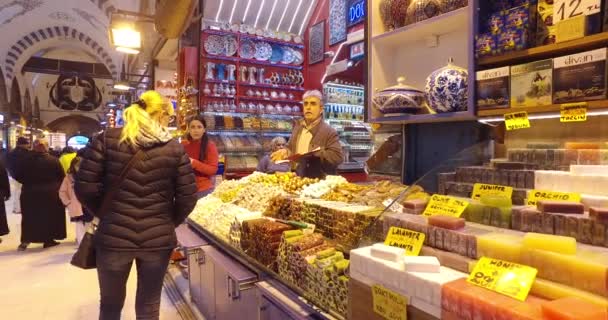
(447, 89)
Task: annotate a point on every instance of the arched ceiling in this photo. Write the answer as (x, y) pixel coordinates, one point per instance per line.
(29, 27)
(278, 15)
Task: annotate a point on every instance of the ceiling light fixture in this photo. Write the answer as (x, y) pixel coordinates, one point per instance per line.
(283, 16)
(122, 86)
(274, 6)
(219, 10)
(246, 10)
(124, 36)
(308, 12)
(294, 16)
(232, 12)
(257, 18)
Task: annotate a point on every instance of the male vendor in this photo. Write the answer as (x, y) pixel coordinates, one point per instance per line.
(314, 146)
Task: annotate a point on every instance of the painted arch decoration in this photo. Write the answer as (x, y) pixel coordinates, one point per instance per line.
(49, 33)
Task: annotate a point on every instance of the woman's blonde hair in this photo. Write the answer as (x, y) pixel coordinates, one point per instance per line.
(143, 115)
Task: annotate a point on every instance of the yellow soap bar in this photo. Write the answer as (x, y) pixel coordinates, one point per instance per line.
(552, 290)
(558, 244)
(500, 246)
(573, 270)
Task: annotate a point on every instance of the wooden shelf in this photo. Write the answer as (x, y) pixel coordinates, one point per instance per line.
(549, 51)
(435, 26)
(425, 118)
(598, 104)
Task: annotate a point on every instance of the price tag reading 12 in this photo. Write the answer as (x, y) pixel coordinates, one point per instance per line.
(389, 304)
(445, 206)
(406, 239)
(568, 9)
(511, 279)
(517, 120)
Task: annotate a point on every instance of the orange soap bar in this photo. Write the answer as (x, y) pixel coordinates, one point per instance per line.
(582, 145)
(446, 222)
(573, 308)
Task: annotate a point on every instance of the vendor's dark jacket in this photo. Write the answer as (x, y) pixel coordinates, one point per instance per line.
(324, 162)
(157, 194)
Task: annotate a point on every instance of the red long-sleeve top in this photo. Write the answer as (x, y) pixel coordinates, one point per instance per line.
(206, 169)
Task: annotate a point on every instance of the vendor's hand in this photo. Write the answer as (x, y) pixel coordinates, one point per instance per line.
(279, 155)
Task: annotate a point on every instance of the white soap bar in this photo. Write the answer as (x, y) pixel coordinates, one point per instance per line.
(421, 264)
(384, 252)
(435, 311)
(589, 170)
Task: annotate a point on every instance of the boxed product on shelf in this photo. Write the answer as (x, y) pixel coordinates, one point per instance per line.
(580, 77)
(546, 31)
(531, 84)
(493, 88)
(486, 44)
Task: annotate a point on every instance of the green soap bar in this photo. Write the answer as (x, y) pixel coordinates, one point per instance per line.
(496, 201)
(474, 212)
(292, 233)
(295, 239)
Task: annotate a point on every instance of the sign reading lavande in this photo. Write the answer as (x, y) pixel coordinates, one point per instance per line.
(409, 240)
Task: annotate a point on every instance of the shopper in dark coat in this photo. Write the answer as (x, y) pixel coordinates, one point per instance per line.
(156, 196)
(14, 163)
(5, 194)
(43, 214)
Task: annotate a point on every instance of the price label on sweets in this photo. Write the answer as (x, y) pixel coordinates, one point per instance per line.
(389, 304)
(574, 112)
(517, 120)
(409, 240)
(568, 9)
(536, 195)
(480, 189)
(445, 206)
(511, 279)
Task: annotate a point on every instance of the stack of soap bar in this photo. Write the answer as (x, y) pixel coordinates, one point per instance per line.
(451, 223)
(469, 302)
(568, 182)
(599, 214)
(561, 207)
(558, 244)
(542, 145)
(573, 308)
(421, 264)
(589, 170)
(582, 145)
(384, 252)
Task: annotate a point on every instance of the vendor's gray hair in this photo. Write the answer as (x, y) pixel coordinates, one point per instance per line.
(313, 93)
(276, 141)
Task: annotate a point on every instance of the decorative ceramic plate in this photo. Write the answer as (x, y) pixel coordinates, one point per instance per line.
(287, 37)
(297, 39)
(263, 51)
(298, 57)
(243, 28)
(234, 28)
(277, 54)
(214, 45)
(247, 49)
(230, 45)
(251, 30)
(259, 32)
(226, 26)
(288, 56)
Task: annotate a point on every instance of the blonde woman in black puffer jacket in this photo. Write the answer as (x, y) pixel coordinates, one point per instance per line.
(157, 194)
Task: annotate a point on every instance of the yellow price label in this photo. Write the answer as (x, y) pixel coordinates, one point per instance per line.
(409, 240)
(480, 189)
(445, 206)
(517, 120)
(571, 29)
(573, 112)
(508, 278)
(536, 195)
(389, 304)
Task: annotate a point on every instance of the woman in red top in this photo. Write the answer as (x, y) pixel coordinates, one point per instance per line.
(203, 155)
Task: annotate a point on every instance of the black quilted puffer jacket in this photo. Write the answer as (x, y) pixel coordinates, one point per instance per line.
(157, 194)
